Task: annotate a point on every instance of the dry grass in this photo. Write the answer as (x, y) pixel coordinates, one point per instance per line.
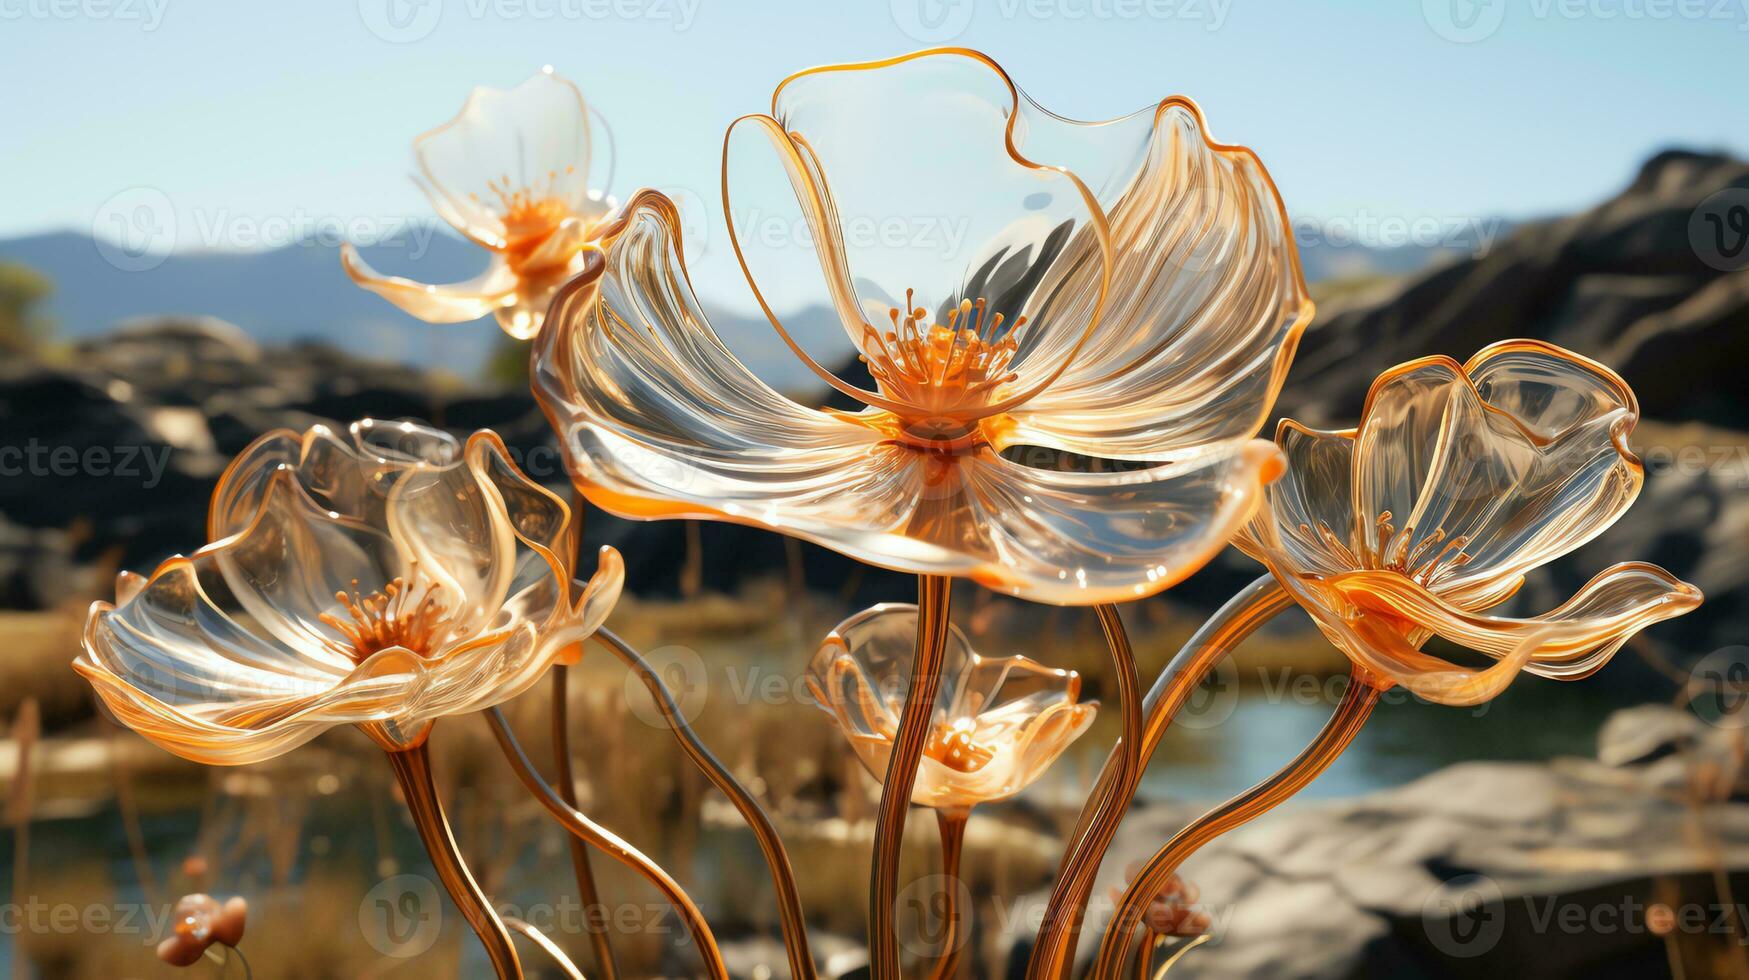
(306, 837)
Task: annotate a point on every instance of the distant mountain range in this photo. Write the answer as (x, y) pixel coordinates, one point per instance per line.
(298, 292)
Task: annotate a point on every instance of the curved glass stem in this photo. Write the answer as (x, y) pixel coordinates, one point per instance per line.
(783, 876)
(546, 945)
(953, 837)
(1250, 608)
(578, 823)
(605, 966)
(933, 593)
(1336, 735)
(1099, 820)
(413, 771)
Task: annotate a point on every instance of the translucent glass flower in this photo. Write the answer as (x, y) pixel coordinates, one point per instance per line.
(999, 722)
(1460, 479)
(1125, 289)
(199, 922)
(509, 172)
(382, 579)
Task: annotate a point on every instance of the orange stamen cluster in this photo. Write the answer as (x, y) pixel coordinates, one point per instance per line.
(942, 369)
(390, 617)
(529, 213)
(952, 745)
(1393, 552)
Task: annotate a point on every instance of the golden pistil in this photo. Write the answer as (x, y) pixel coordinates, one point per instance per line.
(1394, 553)
(389, 617)
(940, 368)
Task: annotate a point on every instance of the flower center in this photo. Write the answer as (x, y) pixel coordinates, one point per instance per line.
(1393, 553)
(390, 617)
(529, 214)
(944, 372)
(952, 745)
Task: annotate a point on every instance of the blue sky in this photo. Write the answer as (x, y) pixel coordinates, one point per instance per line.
(1441, 109)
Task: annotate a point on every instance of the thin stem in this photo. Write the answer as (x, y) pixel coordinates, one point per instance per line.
(1336, 735)
(605, 965)
(546, 945)
(1062, 924)
(413, 771)
(578, 823)
(1249, 609)
(1145, 953)
(783, 876)
(933, 595)
(952, 823)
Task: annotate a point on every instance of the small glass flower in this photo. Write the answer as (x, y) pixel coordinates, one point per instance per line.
(199, 921)
(999, 722)
(1459, 480)
(381, 579)
(1126, 290)
(509, 173)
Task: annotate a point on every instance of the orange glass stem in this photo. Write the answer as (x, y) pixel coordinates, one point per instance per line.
(547, 946)
(953, 837)
(1335, 737)
(933, 595)
(1145, 954)
(783, 876)
(413, 771)
(605, 966)
(1237, 619)
(1100, 818)
(579, 824)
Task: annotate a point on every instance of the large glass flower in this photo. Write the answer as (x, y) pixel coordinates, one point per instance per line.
(509, 173)
(382, 579)
(1460, 479)
(998, 724)
(1125, 289)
